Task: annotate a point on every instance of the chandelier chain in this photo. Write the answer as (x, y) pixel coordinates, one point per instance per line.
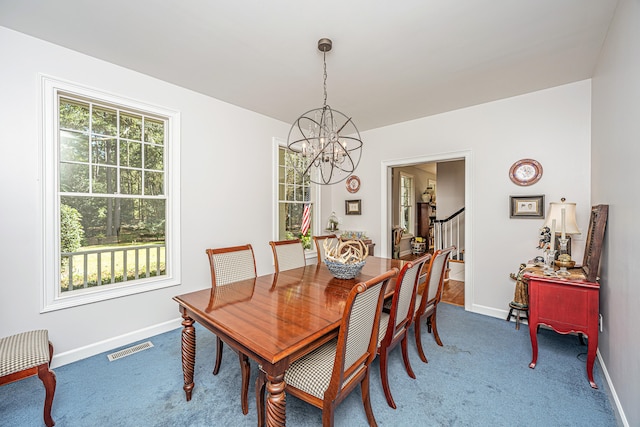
(324, 60)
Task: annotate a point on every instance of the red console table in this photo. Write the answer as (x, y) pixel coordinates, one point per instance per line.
(566, 305)
(571, 304)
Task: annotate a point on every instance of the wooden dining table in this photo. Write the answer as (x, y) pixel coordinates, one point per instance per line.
(274, 319)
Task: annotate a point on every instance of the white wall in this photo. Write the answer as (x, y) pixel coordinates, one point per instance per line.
(451, 197)
(551, 126)
(615, 154)
(224, 192)
(450, 188)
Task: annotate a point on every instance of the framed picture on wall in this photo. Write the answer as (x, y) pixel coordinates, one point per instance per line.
(526, 206)
(353, 207)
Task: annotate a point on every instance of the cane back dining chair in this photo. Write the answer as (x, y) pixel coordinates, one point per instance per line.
(27, 354)
(396, 318)
(288, 254)
(228, 265)
(324, 377)
(319, 241)
(426, 304)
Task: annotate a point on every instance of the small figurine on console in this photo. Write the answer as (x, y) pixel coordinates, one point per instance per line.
(521, 297)
(545, 239)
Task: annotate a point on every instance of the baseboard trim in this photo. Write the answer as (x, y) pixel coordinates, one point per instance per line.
(489, 311)
(612, 392)
(112, 343)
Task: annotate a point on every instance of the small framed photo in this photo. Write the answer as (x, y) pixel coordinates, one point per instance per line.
(353, 207)
(526, 206)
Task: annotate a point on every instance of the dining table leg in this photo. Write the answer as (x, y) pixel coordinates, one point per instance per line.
(276, 401)
(188, 353)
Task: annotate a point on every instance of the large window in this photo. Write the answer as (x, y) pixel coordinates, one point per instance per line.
(111, 180)
(407, 203)
(295, 202)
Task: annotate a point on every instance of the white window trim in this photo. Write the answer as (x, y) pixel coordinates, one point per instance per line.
(412, 212)
(315, 199)
(51, 298)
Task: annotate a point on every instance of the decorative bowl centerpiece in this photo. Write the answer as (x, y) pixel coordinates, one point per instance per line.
(565, 264)
(345, 259)
(565, 261)
(344, 271)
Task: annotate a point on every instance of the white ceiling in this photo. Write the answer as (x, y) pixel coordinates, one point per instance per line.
(391, 61)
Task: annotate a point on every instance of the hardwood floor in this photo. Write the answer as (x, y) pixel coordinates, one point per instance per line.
(453, 292)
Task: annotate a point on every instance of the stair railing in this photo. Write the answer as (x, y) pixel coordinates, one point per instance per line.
(450, 231)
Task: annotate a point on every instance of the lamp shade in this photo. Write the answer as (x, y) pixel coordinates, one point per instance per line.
(555, 212)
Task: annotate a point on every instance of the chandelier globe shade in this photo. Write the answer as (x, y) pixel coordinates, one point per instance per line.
(325, 141)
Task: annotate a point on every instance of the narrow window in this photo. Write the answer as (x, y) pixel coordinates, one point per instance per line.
(407, 203)
(295, 203)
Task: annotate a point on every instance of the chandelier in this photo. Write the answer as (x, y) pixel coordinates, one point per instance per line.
(326, 142)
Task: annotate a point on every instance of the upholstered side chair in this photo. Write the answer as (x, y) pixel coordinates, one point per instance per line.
(288, 254)
(395, 320)
(228, 265)
(319, 241)
(427, 302)
(27, 354)
(328, 374)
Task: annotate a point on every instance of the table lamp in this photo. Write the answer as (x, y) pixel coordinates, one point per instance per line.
(562, 219)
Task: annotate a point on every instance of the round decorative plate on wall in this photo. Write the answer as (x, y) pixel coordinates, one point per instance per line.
(525, 172)
(353, 184)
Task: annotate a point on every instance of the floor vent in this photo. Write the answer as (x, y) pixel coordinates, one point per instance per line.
(129, 351)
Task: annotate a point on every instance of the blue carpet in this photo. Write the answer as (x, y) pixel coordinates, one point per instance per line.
(480, 377)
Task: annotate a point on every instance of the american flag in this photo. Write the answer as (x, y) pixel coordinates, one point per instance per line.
(306, 219)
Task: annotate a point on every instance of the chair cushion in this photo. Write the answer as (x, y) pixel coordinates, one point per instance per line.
(429, 310)
(384, 325)
(23, 351)
(312, 373)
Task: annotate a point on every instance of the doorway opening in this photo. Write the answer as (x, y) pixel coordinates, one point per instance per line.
(448, 193)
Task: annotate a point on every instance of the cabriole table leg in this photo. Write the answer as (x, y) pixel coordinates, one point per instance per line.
(592, 346)
(533, 333)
